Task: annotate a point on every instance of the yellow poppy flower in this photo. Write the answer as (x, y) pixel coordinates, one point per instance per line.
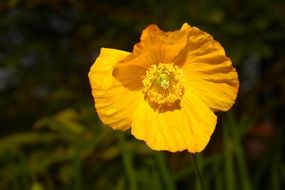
(167, 89)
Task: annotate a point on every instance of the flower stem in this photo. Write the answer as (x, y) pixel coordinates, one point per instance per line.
(198, 173)
(127, 161)
(166, 176)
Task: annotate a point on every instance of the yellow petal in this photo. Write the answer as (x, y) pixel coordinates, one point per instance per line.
(156, 47)
(163, 46)
(112, 108)
(188, 128)
(208, 72)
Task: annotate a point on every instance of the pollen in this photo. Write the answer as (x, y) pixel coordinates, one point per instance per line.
(163, 84)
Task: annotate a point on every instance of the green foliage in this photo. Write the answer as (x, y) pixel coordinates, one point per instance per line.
(51, 137)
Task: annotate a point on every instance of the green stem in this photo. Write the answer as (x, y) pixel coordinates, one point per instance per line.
(165, 174)
(127, 161)
(198, 173)
(77, 169)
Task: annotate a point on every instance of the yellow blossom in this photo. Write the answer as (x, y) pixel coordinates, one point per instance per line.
(167, 90)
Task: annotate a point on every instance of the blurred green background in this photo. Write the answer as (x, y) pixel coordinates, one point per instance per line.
(51, 137)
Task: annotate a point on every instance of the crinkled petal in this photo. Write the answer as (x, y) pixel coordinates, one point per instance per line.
(155, 47)
(112, 108)
(208, 72)
(188, 128)
(163, 46)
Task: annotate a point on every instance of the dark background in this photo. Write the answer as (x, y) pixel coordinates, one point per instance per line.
(51, 138)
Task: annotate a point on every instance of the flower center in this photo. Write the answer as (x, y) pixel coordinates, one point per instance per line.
(163, 84)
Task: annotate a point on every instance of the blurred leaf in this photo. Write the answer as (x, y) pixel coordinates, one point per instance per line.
(37, 186)
(14, 142)
(65, 121)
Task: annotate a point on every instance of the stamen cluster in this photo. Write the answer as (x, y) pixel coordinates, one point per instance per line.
(163, 84)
